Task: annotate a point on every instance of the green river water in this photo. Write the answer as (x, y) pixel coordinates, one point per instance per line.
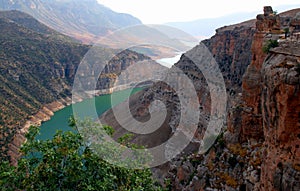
(59, 121)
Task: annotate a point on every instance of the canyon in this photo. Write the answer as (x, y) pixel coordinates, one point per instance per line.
(258, 147)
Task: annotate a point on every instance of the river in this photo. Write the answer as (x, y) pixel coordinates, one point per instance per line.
(169, 62)
(59, 121)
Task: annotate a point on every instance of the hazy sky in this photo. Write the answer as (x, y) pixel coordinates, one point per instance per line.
(162, 11)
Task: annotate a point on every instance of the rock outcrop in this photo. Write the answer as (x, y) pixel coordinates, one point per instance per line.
(251, 116)
(281, 118)
(271, 101)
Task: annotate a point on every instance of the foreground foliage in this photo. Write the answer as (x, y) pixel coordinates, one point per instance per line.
(65, 163)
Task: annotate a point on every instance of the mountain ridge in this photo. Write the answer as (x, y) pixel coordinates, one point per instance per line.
(205, 28)
(84, 20)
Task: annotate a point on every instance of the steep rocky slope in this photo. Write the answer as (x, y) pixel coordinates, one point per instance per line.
(231, 47)
(36, 69)
(259, 146)
(233, 57)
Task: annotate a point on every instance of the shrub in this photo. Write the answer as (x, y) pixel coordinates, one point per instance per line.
(237, 149)
(286, 32)
(270, 44)
(225, 177)
(66, 163)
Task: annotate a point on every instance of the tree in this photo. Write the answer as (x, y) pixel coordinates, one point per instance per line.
(66, 163)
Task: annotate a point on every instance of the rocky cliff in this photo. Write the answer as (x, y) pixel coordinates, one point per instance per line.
(231, 48)
(259, 147)
(270, 111)
(252, 119)
(281, 118)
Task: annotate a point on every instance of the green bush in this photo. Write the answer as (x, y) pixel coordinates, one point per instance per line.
(270, 44)
(66, 163)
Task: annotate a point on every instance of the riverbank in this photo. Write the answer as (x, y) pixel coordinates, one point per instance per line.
(43, 115)
(48, 111)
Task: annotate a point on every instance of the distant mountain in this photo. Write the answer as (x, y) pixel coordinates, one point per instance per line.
(204, 28)
(81, 19)
(156, 41)
(87, 21)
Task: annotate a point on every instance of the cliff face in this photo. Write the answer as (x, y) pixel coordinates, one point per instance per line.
(251, 117)
(269, 27)
(271, 101)
(281, 118)
(230, 47)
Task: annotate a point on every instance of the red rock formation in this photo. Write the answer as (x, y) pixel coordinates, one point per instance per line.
(251, 117)
(281, 118)
(272, 107)
(231, 47)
